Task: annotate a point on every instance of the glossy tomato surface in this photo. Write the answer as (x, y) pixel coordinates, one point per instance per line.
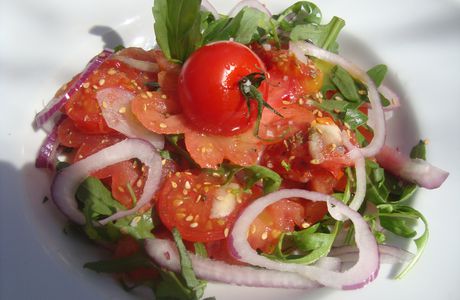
(209, 91)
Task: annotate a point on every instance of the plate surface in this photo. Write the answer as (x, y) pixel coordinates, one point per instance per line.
(45, 43)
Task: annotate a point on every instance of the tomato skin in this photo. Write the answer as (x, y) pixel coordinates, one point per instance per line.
(185, 201)
(209, 91)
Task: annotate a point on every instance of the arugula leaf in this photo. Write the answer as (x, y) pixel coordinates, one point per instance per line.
(419, 151)
(378, 73)
(396, 218)
(177, 27)
(271, 181)
(200, 249)
(302, 12)
(323, 36)
(120, 265)
(197, 286)
(345, 84)
(98, 202)
(311, 241)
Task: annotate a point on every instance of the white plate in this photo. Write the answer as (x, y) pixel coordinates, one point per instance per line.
(44, 43)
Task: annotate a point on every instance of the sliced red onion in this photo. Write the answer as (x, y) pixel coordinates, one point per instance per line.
(414, 170)
(249, 3)
(388, 254)
(115, 105)
(56, 103)
(377, 110)
(299, 54)
(47, 153)
(164, 253)
(363, 272)
(209, 7)
(66, 182)
(141, 65)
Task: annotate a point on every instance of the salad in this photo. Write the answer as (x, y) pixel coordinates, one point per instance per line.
(243, 149)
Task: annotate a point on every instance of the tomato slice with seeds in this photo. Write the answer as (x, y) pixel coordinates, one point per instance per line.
(199, 206)
(83, 107)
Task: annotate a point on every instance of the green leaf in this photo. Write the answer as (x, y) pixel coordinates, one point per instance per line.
(200, 249)
(313, 244)
(377, 74)
(271, 181)
(345, 84)
(302, 12)
(408, 214)
(419, 151)
(251, 20)
(323, 36)
(120, 265)
(97, 198)
(177, 27)
(197, 286)
(333, 106)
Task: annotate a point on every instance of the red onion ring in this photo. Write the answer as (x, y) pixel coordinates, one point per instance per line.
(66, 182)
(209, 7)
(56, 103)
(249, 3)
(391, 96)
(374, 98)
(414, 170)
(364, 271)
(388, 254)
(141, 65)
(46, 157)
(164, 253)
(115, 104)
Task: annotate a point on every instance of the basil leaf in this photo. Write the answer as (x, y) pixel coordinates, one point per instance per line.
(377, 74)
(197, 286)
(345, 84)
(323, 36)
(177, 27)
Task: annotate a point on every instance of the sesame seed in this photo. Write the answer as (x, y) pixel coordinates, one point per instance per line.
(95, 87)
(286, 102)
(189, 218)
(194, 225)
(226, 231)
(187, 185)
(85, 85)
(101, 82)
(185, 192)
(122, 110)
(264, 235)
(173, 184)
(221, 222)
(111, 71)
(198, 198)
(315, 161)
(163, 162)
(338, 98)
(178, 202)
(163, 125)
(144, 107)
(139, 183)
(164, 96)
(121, 189)
(180, 215)
(104, 104)
(305, 225)
(188, 173)
(320, 114)
(426, 141)
(144, 96)
(149, 94)
(253, 229)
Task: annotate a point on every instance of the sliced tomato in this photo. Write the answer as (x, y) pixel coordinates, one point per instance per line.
(83, 107)
(282, 216)
(188, 202)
